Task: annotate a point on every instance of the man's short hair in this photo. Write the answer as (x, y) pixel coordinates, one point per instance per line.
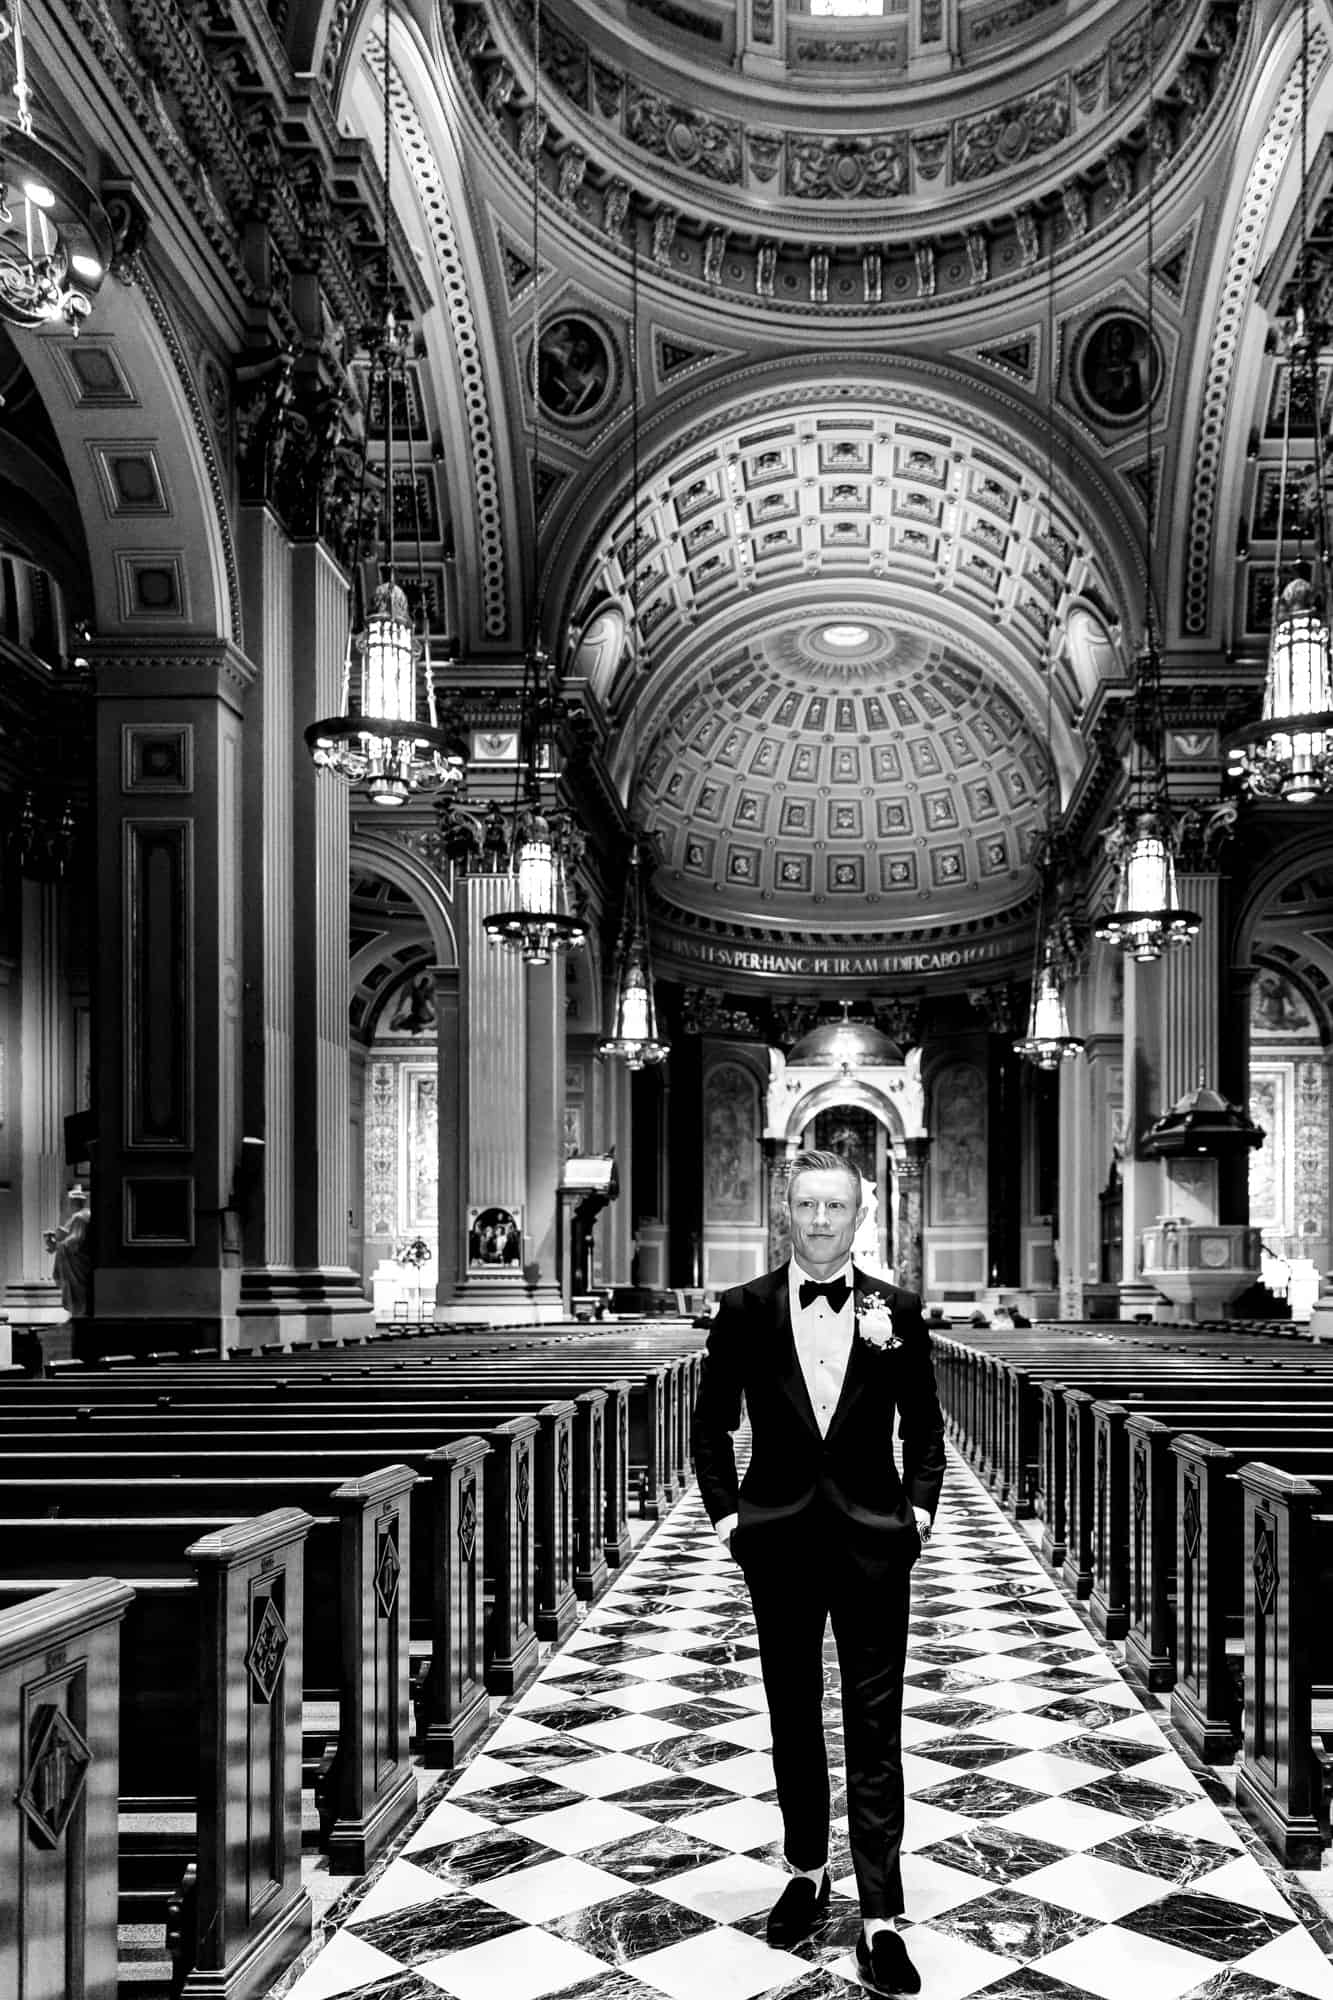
(813, 1160)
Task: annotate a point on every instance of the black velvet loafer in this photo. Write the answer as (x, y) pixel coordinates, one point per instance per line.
(799, 1910)
(884, 1965)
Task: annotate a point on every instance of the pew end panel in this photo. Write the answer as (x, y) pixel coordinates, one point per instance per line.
(453, 1707)
(59, 1732)
(243, 1914)
(1150, 1643)
(370, 1789)
(1280, 1786)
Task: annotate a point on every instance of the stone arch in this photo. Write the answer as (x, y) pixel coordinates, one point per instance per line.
(139, 418)
(839, 1089)
(380, 854)
(1295, 858)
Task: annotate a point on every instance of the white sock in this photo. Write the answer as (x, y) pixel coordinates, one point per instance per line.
(872, 1925)
(815, 1875)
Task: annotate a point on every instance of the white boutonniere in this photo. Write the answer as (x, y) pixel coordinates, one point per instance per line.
(874, 1323)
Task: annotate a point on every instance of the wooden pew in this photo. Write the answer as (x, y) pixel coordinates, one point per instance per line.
(1106, 1532)
(1211, 1584)
(59, 1737)
(1282, 1786)
(208, 1725)
(638, 1445)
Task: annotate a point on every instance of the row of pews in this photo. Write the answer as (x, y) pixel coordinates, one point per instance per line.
(236, 1596)
(1183, 1479)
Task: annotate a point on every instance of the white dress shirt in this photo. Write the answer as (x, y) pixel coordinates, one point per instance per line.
(823, 1341)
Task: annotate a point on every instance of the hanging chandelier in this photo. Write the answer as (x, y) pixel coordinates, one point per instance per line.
(386, 742)
(1146, 919)
(543, 842)
(55, 239)
(1288, 753)
(1048, 1041)
(634, 1037)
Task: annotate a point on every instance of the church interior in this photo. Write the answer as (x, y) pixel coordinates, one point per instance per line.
(594, 593)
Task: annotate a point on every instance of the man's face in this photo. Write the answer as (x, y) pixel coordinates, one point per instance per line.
(826, 1212)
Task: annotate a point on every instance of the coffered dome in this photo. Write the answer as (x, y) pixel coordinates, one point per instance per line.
(836, 774)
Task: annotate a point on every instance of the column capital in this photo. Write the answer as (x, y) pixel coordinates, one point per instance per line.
(156, 670)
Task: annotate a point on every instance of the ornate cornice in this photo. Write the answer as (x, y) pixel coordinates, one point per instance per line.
(486, 512)
(768, 213)
(1234, 305)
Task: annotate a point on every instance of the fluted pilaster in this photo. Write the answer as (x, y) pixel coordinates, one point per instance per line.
(321, 830)
(268, 865)
(40, 1080)
(545, 1099)
(1191, 989)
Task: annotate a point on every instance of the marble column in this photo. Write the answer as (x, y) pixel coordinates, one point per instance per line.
(1191, 992)
(41, 1081)
(910, 1175)
(1142, 1179)
(778, 1154)
(545, 1102)
(493, 1086)
(168, 1058)
(1233, 1080)
(1191, 995)
(451, 1231)
(329, 1289)
(1078, 1162)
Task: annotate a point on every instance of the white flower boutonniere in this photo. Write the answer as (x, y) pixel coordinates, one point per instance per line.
(874, 1324)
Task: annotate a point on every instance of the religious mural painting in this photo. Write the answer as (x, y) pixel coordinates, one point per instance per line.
(958, 1157)
(731, 1145)
(494, 1238)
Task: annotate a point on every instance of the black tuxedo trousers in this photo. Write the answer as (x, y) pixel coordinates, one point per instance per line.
(808, 1574)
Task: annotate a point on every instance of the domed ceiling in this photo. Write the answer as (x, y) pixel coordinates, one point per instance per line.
(824, 161)
(834, 776)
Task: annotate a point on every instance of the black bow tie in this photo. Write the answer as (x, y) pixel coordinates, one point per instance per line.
(835, 1291)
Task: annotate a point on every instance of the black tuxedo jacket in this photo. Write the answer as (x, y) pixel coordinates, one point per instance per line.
(751, 1353)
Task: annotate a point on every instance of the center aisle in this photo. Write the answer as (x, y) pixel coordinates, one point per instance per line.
(617, 1839)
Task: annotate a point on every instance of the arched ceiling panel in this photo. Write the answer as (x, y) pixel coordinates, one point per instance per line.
(829, 773)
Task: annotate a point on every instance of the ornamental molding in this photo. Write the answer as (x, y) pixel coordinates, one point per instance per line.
(994, 417)
(486, 509)
(724, 163)
(215, 99)
(203, 432)
(1234, 305)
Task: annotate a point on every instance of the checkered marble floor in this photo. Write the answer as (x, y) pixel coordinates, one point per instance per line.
(617, 1837)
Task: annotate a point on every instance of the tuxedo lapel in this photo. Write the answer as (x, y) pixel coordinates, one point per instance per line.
(853, 1379)
(786, 1360)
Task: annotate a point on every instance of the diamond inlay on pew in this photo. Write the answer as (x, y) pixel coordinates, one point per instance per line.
(618, 1838)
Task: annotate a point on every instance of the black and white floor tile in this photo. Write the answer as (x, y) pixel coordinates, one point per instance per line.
(618, 1838)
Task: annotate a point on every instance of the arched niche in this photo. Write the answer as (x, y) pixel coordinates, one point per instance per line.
(735, 1233)
(955, 1238)
(797, 1095)
(404, 1080)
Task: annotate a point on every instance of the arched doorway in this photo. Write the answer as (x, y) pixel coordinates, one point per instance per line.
(858, 1136)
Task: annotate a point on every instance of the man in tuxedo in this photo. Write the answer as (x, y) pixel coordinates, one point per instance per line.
(823, 1526)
